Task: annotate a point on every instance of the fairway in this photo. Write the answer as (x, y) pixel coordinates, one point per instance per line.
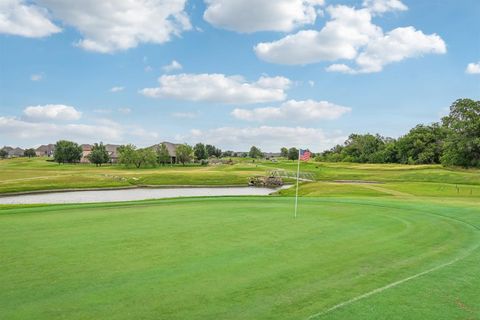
(241, 258)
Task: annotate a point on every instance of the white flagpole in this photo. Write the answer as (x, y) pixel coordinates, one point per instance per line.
(296, 191)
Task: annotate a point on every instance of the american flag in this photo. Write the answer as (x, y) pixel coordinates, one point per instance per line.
(305, 155)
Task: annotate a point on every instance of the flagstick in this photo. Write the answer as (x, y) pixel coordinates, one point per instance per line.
(296, 192)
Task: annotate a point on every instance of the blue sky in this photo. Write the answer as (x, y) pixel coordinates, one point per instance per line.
(270, 73)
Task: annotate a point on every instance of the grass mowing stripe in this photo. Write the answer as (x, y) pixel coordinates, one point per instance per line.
(391, 285)
(399, 282)
(235, 250)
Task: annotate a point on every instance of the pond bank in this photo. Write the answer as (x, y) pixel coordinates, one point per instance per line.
(131, 194)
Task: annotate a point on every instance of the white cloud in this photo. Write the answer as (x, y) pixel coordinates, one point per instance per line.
(339, 67)
(31, 133)
(311, 83)
(266, 137)
(36, 77)
(397, 45)
(340, 38)
(261, 15)
(20, 129)
(382, 6)
(172, 66)
(218, 88)
(18, 17)
(52, 112)
(293, 111)
(473, 68)
(351, 35)
(117, 89)
(113, 25)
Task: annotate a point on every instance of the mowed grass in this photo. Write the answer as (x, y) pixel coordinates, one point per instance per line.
(23, 175)
(395, 189)
(241, 258)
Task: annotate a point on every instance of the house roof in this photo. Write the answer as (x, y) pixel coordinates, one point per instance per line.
(171, 147)
(16, 152)
(45, 148)
(112, 150)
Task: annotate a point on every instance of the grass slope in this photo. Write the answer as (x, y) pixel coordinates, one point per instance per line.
(240, 258)
(17, 175)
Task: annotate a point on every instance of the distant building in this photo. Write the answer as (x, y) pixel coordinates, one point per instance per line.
(86, 150)
(14, 152)
(112, 150)
(45, 150)
(271, 155)
(8, 150)
(17, 152)
(172, 150)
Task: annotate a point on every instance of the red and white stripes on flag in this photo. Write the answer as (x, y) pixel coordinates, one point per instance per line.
(305, 155)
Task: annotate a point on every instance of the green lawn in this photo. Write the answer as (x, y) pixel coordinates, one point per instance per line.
(17, 175)
(242, 258)
(21, 174)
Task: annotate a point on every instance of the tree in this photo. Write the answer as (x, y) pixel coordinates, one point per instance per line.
(390, 152)
(99, 154)
(364, 148)
(462, 143)
(333, 155)
(184, 153)
(200, 151)
(212, 151)
(29, 153)
(284, 152)
(421, 145)
(228, 153)
(292, 154)
(255, 153)
(163, 157)
(145, 157)
(3, 153)
(67, 152)
(127, 155)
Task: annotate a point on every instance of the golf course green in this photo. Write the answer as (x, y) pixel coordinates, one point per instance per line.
(349, 257)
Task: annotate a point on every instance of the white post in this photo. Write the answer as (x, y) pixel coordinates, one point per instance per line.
(296, 191)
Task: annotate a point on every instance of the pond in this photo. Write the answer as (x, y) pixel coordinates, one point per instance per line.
(131, 194)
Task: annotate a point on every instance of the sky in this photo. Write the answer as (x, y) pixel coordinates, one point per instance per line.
(233, 73)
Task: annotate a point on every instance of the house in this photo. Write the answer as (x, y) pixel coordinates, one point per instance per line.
(15, 153)
(8, 150)
(271, 155)
(45, 150)
(172, 150)
(86, 150)
(112, 150)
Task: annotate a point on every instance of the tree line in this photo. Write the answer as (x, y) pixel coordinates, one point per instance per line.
(454, 141)
(131, 156)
